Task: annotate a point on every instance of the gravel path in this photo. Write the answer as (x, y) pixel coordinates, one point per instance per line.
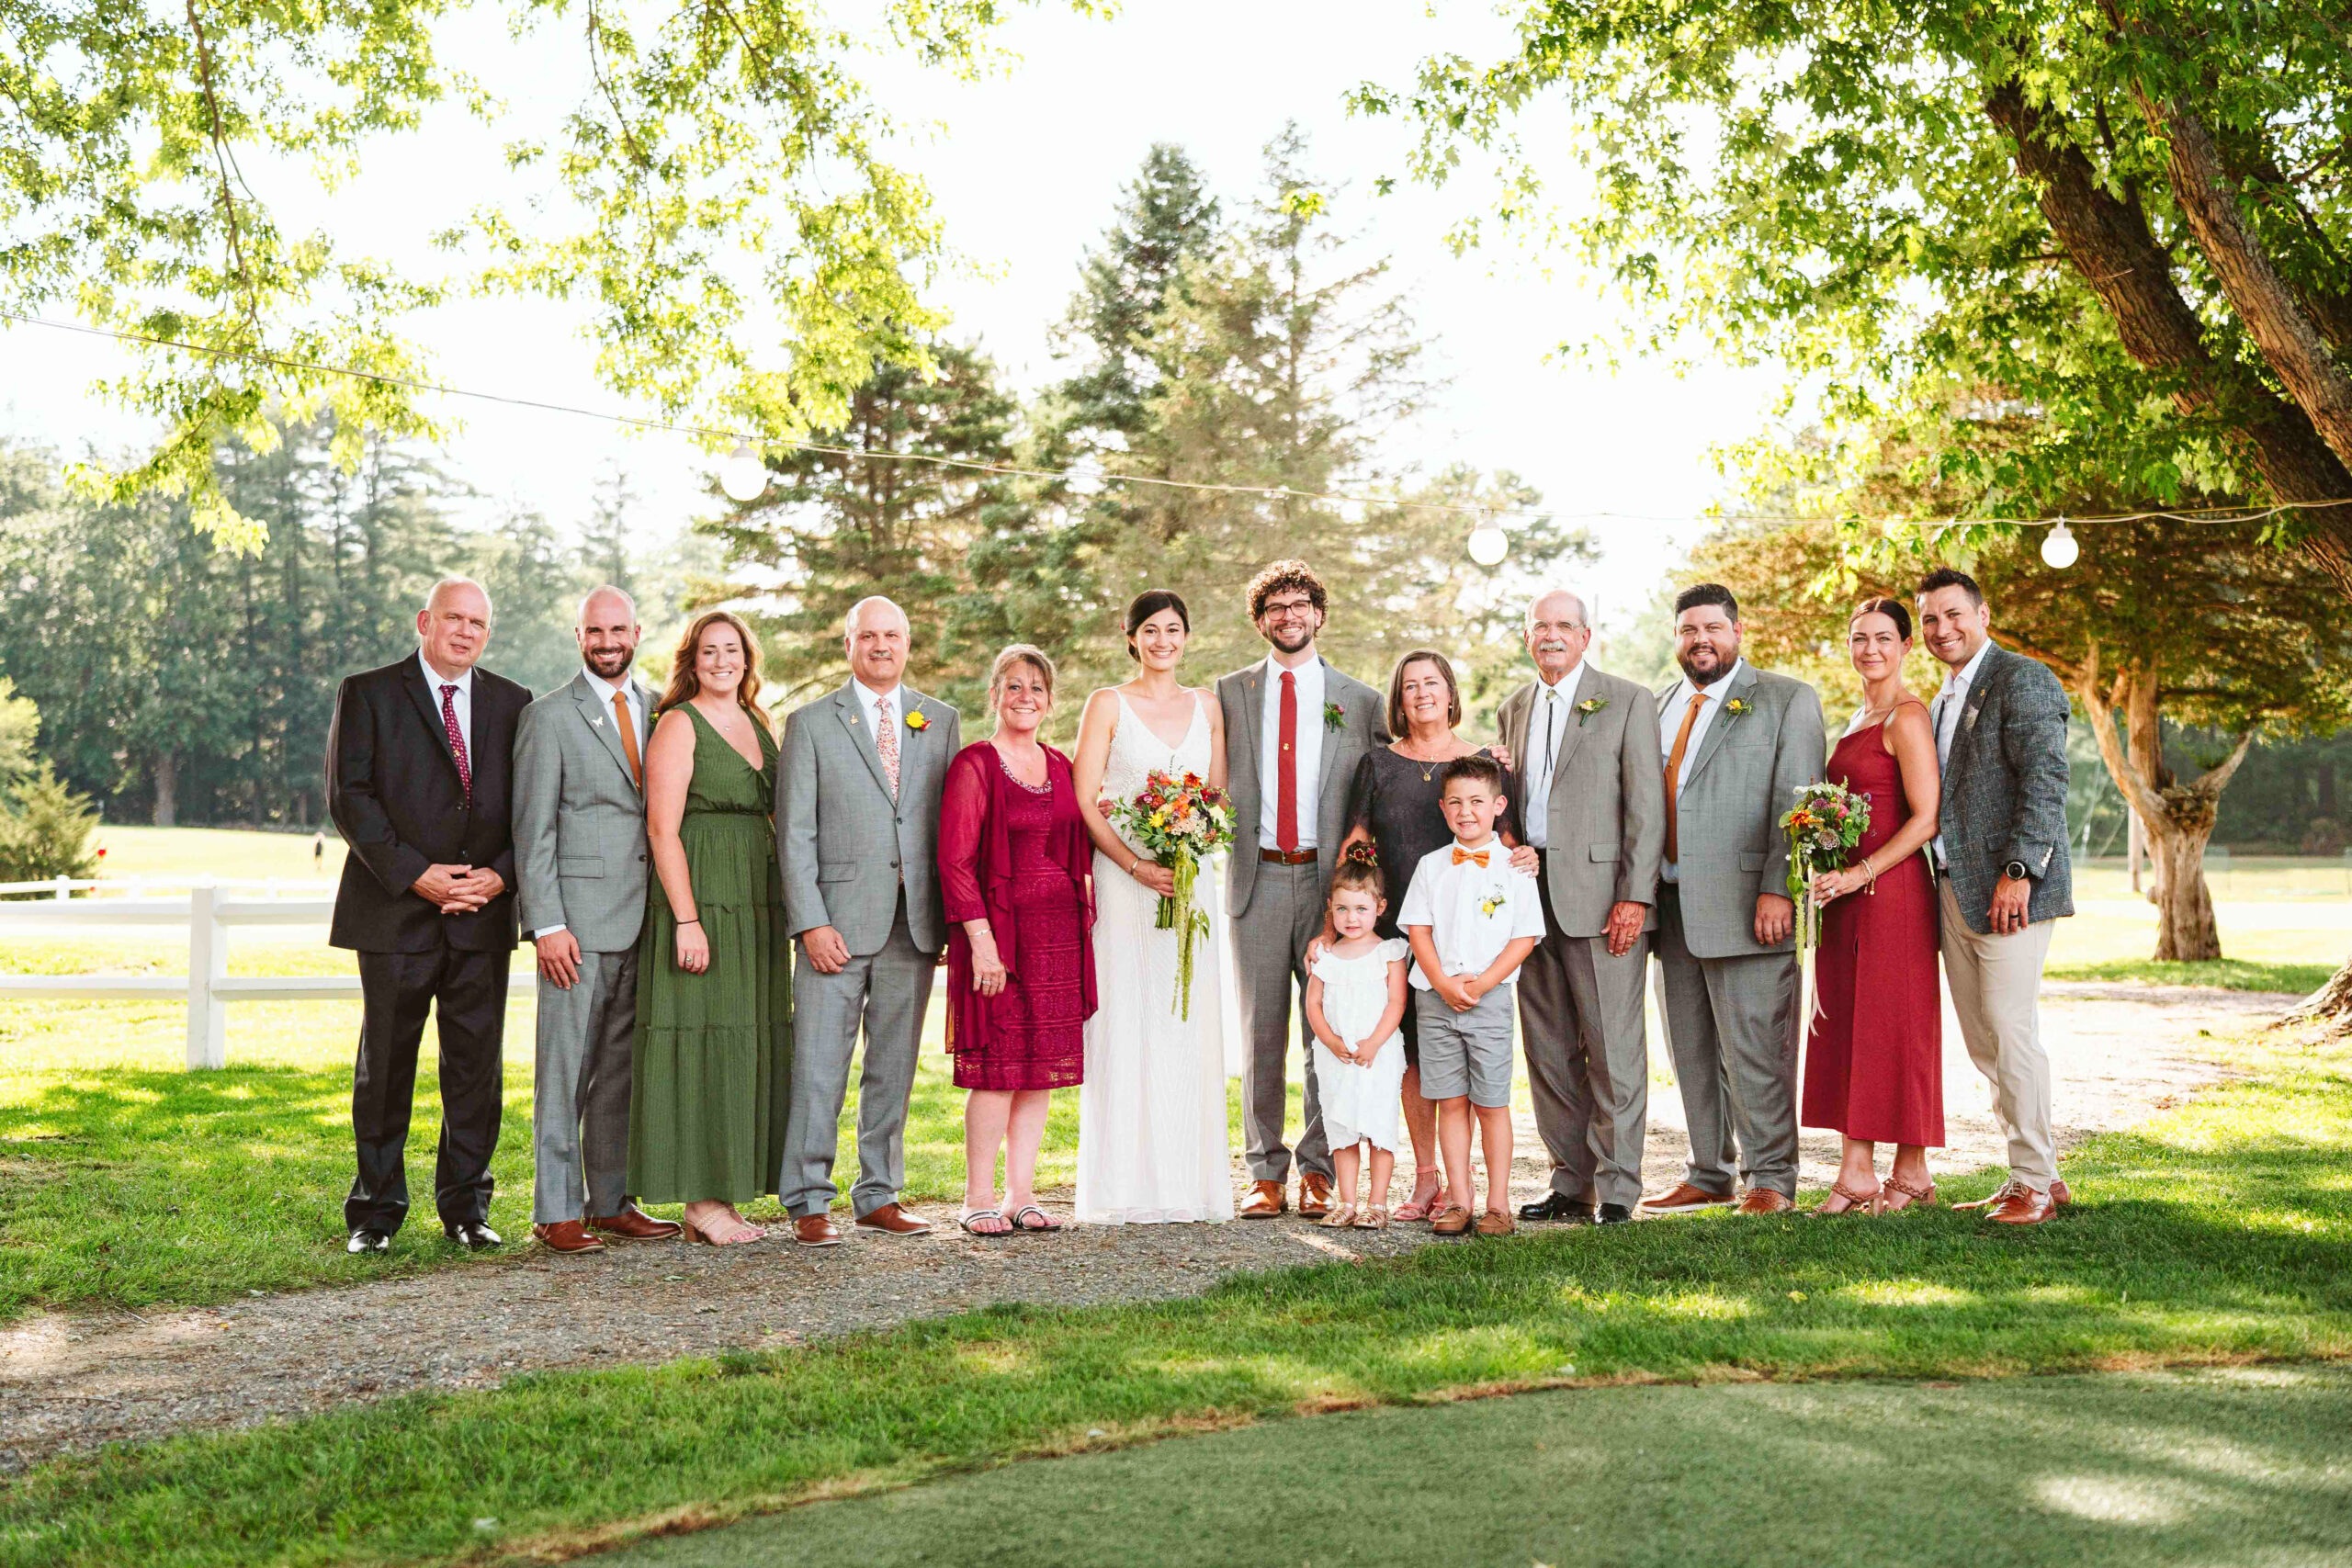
(70, 1381)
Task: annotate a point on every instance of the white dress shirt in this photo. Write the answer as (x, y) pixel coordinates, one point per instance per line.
(1951, 701)
(866, 697)
(1309, 761)
(463, 703)
(1669, 725)
(1548, 727)
(1473, 911)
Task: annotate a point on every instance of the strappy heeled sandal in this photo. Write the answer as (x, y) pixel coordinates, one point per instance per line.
(1423, 1208)
(1340, 1218)
(1913, 1197)
(1374, 1218)
(1856, 1203)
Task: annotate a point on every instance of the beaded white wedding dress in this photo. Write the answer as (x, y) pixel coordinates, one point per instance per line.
(1151, 1112)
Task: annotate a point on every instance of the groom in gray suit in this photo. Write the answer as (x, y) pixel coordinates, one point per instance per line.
(1295, 730)
(858, 832)
(579, 870)
(1585, 742)
(1738, 742)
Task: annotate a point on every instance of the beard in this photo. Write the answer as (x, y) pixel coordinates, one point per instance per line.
(1702, 666)
(1289, 636)
(608, 663)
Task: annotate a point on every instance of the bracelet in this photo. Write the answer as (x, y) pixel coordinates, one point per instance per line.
(695, 921)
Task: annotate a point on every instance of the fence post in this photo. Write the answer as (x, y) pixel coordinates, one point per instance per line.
(64, 887)
(208, 962)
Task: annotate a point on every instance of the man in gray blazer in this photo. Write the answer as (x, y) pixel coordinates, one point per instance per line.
(1585, 744)
(857, 833)
(580, 868)
(1737, 742)
(2000, 722)
(1294, 729)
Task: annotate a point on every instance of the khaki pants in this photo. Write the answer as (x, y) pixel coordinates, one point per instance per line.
(1996, 985)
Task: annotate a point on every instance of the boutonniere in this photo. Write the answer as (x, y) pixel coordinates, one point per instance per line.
(1738, 707)
(595, 721)
(1491, 903)
(915, 719)
(1587, 707)
(1334, 717)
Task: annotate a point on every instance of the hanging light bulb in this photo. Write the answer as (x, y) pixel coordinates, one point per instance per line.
(1488, 543)
(743, 474)
(2060, 548)
(1085, 477)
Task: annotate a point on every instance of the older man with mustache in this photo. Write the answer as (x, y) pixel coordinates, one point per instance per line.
(1595, 810)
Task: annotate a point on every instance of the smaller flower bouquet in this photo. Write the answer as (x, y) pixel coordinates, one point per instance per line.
(1178, 820)
(1823, 826)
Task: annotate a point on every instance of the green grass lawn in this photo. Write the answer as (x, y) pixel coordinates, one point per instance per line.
(2110, 1471)
(212, 852)
(2229, 974)
(2220, 1233)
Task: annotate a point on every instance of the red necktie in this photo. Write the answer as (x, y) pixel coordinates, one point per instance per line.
(1475, 857)
(1286, 776)
(456, 739)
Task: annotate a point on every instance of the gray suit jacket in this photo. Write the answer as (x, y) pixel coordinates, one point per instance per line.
(1605, 822)
(1364, 725)
(2004, 789)
(580, 854)
(843, 843)
(1736, 788)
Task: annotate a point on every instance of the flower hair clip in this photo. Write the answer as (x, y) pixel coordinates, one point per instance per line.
(1362, 852)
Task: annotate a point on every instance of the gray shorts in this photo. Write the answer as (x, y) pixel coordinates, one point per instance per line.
(1466, 1053)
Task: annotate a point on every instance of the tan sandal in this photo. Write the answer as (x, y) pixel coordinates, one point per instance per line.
(1374, 1218)
(1862, 1202)
(1424, 1208)
(1913, 1197)
(1340, 1218)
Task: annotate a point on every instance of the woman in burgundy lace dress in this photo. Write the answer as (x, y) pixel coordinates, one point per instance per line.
(1014, 863)
(1874, 1063)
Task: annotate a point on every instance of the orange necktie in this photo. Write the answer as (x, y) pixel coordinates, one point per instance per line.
(1475, 857)
(1674, 771)
(628, 738)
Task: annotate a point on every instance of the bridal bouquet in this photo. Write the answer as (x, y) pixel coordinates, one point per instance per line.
(1823, 826)
(1178, 820)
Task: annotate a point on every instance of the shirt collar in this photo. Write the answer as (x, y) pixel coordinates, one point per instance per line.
(610, 688)
(1494, 841)
(868, 696)
(435, 679)
(1566, 684)
(1966, 673)
(1721, 681)
(1310, 671)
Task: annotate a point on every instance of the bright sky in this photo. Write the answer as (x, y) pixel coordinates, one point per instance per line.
(1025, 177)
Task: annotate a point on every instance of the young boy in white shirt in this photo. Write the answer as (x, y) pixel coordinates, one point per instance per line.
(1472, 921)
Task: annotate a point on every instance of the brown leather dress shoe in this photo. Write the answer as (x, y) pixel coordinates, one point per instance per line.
(1687, 1198)
(633, 1223)
(1492, 1224)
(1266, 1200)
(1765, 1200)
(566, 1236)
(2023, 1206)
(1452, 1219)
(815, 1230)
(1314, 1195)
(2060, 1193)
(891, 1220)
(1998, 1196)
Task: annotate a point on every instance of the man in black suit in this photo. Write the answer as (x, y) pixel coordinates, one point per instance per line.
(419, 769)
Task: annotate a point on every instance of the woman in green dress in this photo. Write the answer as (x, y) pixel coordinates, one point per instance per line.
(714, 995)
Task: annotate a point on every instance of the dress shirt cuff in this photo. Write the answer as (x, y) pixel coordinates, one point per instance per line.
(547, 930)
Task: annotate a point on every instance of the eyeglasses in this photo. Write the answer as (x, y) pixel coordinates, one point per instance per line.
(1290, 610)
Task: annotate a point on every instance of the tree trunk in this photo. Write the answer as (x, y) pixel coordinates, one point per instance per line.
(2186, 931)
(167, 790)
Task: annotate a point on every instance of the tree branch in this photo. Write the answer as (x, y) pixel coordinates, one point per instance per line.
(220, 164)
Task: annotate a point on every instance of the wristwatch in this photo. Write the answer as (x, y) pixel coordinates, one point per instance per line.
(2015, 871)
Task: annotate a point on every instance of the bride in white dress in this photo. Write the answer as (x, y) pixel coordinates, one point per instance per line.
(1151, 1111)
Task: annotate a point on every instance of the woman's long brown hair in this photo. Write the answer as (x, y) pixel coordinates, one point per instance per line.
(686, 686)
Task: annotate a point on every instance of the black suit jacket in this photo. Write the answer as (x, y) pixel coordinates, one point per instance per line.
(393, 791)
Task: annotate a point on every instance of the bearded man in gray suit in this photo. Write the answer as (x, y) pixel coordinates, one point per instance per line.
(580, 871)
(1737, 742)
(1586, 745)
(2001, 723)
(1295, 730)
(858, 780)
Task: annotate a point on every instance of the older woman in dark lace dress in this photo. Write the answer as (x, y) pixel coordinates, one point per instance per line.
(1015, 863)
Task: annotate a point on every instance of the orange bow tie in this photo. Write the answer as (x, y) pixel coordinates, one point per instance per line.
(1476, 857)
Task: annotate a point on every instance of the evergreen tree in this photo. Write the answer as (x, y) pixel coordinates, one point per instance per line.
(604, 555)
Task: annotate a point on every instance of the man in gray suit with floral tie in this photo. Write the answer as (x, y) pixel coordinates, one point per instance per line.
(1737, 742)
(580, 861)
(858, 782)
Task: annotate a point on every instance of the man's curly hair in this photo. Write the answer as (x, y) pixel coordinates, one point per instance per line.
(1286, 577)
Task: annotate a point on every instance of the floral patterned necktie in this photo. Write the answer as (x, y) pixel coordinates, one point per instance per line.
(886, 741)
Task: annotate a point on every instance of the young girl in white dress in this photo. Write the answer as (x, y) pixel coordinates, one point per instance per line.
(1355, 1003)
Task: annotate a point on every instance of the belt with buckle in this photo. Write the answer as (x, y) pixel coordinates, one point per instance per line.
(1287, 857)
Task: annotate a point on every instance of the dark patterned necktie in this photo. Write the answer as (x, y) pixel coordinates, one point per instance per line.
(456, 739)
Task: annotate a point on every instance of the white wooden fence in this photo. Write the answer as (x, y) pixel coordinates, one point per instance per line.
(208, 910)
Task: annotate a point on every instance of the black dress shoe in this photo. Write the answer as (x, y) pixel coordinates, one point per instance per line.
(362, 1241)
(1568, 1211)
(472, 1235)
(1613, 1215)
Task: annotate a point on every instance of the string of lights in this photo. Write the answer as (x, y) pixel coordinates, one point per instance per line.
(743, 476)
